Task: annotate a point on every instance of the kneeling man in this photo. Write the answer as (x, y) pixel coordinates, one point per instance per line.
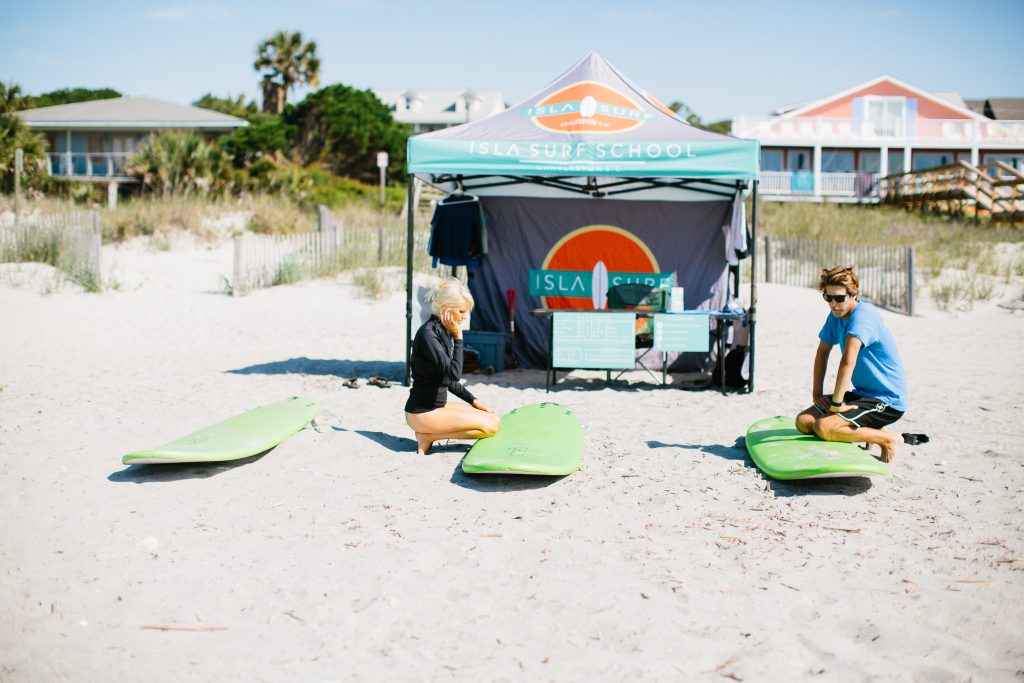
(870, 390)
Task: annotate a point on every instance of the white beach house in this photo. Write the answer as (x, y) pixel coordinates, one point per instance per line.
(428, 110)
(91, 141)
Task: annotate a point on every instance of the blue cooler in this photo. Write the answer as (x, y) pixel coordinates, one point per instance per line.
(490, 346)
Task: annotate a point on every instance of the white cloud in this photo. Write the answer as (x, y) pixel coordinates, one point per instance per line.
(188, 11)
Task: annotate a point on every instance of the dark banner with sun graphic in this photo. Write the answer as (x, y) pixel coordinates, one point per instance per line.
(563, 254)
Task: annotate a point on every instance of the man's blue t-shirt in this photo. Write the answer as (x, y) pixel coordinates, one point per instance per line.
(879, 369)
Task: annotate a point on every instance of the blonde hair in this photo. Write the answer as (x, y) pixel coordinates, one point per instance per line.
(840, 276)
(449, 293)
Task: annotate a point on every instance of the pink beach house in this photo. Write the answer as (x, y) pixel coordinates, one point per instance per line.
(838, 146)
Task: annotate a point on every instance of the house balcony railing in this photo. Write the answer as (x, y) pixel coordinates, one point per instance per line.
(824, 130)
(87, 164)
(832, 184)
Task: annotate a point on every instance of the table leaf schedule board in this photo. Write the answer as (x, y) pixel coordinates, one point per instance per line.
(604, 340)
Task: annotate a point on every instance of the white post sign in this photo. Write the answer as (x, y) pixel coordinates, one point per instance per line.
(382, 164)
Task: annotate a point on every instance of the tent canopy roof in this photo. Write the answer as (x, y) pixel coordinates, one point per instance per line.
(590, 122)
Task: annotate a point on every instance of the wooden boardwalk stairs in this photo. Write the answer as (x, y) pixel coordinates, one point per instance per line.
(993, 190)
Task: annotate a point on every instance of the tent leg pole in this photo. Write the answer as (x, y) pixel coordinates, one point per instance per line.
(411, 220)
(753, 283)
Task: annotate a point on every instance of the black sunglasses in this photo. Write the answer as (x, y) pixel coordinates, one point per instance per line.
(838, 298)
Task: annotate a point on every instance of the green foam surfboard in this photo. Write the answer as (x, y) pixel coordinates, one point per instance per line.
(543, 438)
(237, 437)
(781, 452)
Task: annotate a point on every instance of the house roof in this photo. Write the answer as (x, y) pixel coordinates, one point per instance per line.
(1003, 108)
(977, 106)
(938, 97)
(128, 112)
(441, 106)
(953, 97)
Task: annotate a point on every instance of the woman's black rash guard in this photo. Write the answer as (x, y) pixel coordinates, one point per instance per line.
(436, 368)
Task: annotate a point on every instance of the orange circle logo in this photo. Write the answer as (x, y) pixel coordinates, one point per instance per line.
(584, 248)
(587, 107)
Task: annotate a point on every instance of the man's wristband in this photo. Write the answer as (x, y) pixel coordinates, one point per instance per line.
(834, 403)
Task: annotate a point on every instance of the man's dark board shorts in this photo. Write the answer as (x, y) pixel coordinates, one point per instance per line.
(867, 412)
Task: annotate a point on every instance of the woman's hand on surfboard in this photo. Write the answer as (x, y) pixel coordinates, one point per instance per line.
(480, 406)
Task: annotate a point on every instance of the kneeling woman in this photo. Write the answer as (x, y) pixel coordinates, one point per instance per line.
(436, 369)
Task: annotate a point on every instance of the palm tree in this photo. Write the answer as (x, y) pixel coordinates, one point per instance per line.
(14, 134)
(178, 163)
(11, 98)
(289, 59)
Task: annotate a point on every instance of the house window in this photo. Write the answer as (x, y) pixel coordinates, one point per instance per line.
(869, 161)
(122, 144)
(97, 162)
(884, 108)
(837, 161)
(798, 160)
(1015, 161)
(771, 159)
(925, 160)
(895, 161)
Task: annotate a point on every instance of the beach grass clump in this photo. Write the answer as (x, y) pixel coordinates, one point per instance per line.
(960, 261)
(137, 217)
(371, 282)
(287, 273)
(270, 215)
(65, 250)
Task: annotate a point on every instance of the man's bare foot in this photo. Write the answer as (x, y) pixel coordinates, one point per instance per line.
(423, 443)
(892, 442)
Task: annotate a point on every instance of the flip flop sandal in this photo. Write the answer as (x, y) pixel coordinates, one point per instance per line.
(379, 382)
(352, 383)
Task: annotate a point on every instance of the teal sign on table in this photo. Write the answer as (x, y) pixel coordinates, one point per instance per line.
(601, 341)
(680, 333)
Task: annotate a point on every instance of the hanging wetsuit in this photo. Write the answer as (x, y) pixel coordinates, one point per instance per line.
(457, 233)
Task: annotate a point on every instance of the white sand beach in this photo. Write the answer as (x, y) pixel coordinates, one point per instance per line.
(341, 555)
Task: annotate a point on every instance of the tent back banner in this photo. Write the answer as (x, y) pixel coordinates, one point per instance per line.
(574, 243)
(590, 121)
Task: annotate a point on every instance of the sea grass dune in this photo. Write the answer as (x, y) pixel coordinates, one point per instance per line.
(341, 555)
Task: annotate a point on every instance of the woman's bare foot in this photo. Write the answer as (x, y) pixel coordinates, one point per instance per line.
(892, 442)
(423, 443)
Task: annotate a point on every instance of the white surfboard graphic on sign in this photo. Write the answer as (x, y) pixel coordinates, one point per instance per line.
(588, 107)
(599, 286)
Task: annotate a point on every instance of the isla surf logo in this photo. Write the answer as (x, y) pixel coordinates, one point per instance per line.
(581, 266)
(587, 107)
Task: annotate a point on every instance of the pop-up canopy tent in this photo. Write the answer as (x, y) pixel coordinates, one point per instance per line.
(591, 168)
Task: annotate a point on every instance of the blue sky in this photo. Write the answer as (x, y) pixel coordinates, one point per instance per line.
(721, 58)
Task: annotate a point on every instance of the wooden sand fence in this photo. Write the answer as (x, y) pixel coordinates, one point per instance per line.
(69, 241)
(269, 260)
(886, 273)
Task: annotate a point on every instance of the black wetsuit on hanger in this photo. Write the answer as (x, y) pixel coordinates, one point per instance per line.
(436, 366)
(457, 235)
